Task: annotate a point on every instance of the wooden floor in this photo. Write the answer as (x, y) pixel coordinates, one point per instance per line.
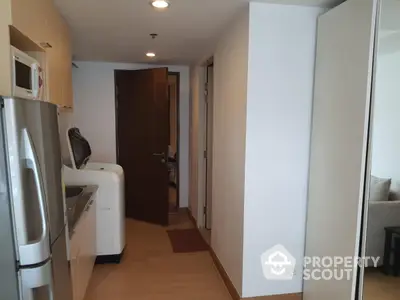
(151, 271)
(378, 286)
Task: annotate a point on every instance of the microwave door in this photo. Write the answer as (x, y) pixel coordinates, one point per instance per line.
(27, 191)
(23, 80)
(26, 72)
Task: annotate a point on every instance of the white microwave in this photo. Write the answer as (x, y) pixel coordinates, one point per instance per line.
(27, 76)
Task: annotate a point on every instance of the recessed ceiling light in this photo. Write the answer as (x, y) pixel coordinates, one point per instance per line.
(160, 3)
(150, 54)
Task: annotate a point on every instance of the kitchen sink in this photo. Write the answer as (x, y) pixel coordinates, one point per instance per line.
(77, 199)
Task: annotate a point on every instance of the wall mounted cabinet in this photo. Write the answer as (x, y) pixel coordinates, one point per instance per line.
(40, 22)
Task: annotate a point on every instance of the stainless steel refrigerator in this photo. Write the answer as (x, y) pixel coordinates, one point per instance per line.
(33, 249)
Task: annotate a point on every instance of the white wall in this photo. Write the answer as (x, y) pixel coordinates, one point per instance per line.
(264, 69)
(94, 112)
(230, 84)
(386, 122)
(279, 101)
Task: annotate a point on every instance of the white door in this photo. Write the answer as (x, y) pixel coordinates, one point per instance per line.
(342, 97)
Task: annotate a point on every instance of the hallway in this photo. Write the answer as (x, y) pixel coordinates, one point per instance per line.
(150, 269)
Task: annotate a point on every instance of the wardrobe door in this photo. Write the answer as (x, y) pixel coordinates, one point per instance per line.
(342, 96)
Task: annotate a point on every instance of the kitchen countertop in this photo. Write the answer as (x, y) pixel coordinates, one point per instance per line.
(77, 203)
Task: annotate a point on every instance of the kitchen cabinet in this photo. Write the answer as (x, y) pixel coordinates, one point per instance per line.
(74, 255)
(65, 66)
(83, 250)
(5, 65)
(31, 17)
(39, 21)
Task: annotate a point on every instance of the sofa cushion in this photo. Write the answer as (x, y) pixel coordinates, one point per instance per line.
(379, 189)
(394, 193)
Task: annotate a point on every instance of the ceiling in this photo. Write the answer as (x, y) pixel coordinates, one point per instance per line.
(118, 30)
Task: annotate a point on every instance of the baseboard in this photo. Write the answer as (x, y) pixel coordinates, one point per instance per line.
(228, 283)
(192, 219)
(109, 259)
(218, 265)
(298, 296)
(234, 293)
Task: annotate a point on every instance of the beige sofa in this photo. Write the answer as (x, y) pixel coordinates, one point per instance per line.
(381, 214)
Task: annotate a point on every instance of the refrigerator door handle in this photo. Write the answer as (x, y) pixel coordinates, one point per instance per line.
(37, 282)
(39, 250)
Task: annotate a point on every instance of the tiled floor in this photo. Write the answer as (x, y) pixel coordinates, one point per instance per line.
(382, 287)
(151, 271)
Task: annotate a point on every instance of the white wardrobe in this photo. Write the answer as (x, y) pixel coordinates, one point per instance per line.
(349, 39)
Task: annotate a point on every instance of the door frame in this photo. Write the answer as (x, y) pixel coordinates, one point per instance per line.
(368, 168)
(178, 75)
(178, 131)
(202, 169)
(208, 143)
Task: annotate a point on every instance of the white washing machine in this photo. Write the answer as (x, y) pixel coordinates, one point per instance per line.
(110, 196)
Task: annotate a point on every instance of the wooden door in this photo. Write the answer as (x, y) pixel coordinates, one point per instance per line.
(142, 142)
(342, 96)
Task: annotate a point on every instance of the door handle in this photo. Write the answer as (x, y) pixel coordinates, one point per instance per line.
(39, 250)
(162, 155)
(159, 154)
